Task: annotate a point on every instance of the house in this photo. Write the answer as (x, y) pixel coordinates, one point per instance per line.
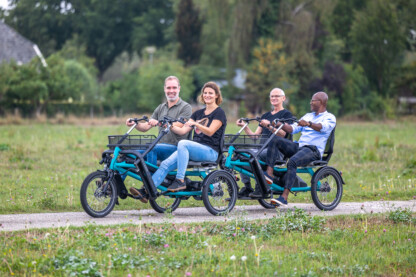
(14, 46)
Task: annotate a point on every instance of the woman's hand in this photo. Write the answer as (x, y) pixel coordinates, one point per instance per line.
(265, 123)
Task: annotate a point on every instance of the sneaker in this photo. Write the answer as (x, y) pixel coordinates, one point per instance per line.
(140, 194)
(177, 185)
(244, 192)
(279, 201)
(269, 179)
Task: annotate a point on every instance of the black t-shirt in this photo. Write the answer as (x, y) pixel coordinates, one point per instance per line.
(214, 140)
(270, 117)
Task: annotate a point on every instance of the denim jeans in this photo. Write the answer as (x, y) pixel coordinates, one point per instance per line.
(297, 157)
(160, 152)
(187, 150)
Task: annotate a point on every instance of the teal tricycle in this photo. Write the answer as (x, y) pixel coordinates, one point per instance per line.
(125, 158)
(326, 184)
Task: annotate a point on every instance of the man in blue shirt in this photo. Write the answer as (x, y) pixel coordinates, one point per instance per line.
(315, 128)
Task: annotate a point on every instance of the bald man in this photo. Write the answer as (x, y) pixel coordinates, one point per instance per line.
(315, 128)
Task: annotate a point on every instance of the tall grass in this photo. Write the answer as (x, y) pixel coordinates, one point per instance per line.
(42, 165)
(291, 244)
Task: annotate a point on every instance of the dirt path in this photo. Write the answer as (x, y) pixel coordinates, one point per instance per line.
(185, 215)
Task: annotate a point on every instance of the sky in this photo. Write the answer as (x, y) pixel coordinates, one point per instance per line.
(3, 3)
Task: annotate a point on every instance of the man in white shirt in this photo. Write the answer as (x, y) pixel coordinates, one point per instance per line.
(315, 128)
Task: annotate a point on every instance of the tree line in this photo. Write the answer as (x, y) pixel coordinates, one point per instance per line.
(111, 57)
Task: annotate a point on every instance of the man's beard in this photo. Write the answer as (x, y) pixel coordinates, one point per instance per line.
(171, 99)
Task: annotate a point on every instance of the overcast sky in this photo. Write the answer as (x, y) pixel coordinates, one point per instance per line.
(3, 3)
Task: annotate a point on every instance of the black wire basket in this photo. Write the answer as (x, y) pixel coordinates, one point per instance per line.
(245, 141)
(139, 142)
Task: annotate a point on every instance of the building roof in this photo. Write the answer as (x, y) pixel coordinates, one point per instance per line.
(15, 46)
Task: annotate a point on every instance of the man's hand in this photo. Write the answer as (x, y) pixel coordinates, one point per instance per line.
(303, 123)
(129, 123)
(240, 123)
(153, 122)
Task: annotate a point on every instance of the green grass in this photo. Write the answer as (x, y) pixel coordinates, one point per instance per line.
(291, 244)
(42, 166)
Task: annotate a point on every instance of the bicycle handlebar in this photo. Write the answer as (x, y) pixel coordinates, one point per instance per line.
(136, 120)
(171, 120)
(285, 120)
(245, 119)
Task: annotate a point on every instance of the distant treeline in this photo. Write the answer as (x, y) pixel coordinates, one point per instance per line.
(111, 57)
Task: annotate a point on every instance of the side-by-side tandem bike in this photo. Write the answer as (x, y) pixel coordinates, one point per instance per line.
(101, 189)
(326, 185)
(217, 187)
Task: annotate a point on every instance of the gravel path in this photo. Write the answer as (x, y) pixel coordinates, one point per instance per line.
(185, 215)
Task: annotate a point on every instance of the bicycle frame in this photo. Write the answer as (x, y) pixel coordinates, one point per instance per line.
(130, 169)
(249, 159)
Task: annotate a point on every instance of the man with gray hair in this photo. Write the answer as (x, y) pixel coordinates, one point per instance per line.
(175, 107)
(277, 97)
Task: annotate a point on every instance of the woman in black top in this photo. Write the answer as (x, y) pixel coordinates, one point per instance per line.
(209, 124)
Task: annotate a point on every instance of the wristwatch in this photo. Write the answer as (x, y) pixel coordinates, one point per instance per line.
(310, 123)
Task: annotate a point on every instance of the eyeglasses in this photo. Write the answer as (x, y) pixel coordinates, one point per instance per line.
(276, 96)
(313, 100)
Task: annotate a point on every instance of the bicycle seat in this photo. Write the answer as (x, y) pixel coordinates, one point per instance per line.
(329, 149)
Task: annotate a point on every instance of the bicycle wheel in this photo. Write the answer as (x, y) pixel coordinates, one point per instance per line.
(326, 188)
(164, 204)
(266, 203)
(219, 192)
(95, 201)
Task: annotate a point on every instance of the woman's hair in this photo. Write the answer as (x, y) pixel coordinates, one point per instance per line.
(217, 90)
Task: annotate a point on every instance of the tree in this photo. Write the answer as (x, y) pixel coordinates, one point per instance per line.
(245, 14)
(48, 23)
(268, 70)
(215, 31)
(188, 32)
(377, 42)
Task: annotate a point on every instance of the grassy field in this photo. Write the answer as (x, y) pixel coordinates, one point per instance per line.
(43, 165)
(291, 244)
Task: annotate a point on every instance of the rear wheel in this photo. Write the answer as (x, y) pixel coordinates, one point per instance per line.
(95, 201)
(326, 188)
(163, 204)
(219, 192)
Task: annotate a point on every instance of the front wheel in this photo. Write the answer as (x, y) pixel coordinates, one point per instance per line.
(219, 192)
(95, 201)
(163, 204)
(326, 188)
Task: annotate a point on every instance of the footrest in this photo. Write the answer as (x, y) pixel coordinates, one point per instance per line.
(280, 162)
(318, 163)
(201, 164)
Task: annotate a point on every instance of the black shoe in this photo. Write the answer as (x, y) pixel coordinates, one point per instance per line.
(139, 194)
(177, 185)
(257, 193)
(244, 192)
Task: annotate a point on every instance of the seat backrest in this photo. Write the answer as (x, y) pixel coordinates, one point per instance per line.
(329, 147)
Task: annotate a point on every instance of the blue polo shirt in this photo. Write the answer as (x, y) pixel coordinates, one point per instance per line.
(310, 136)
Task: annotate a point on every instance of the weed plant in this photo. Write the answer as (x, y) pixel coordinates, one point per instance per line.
(42, 166)
(291, 244)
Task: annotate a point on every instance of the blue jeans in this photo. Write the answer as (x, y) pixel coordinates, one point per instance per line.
(187, 150)
(160, 152)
